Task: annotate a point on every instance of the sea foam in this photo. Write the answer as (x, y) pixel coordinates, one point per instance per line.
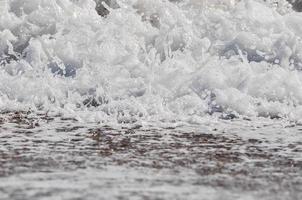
(151, 60)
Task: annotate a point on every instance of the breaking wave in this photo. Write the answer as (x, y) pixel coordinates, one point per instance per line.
(151, 60)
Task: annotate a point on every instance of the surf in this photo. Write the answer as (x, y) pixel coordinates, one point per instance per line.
(151, 60)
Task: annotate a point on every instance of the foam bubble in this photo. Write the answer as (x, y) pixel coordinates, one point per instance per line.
(151, 60)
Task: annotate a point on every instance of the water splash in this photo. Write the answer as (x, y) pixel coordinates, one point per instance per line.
(151, 60)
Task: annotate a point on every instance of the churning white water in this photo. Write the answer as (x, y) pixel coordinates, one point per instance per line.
(151, 59)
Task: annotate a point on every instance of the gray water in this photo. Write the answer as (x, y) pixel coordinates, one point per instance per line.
(44, 157)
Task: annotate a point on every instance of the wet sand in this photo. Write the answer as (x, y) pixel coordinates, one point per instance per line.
(44, 157)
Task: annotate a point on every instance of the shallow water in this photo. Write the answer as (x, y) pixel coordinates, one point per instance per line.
(57, 158)
(158, 99)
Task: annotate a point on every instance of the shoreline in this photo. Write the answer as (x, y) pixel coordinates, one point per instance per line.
(236, 159)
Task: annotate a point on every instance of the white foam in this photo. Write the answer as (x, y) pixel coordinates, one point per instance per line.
(151, 60)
